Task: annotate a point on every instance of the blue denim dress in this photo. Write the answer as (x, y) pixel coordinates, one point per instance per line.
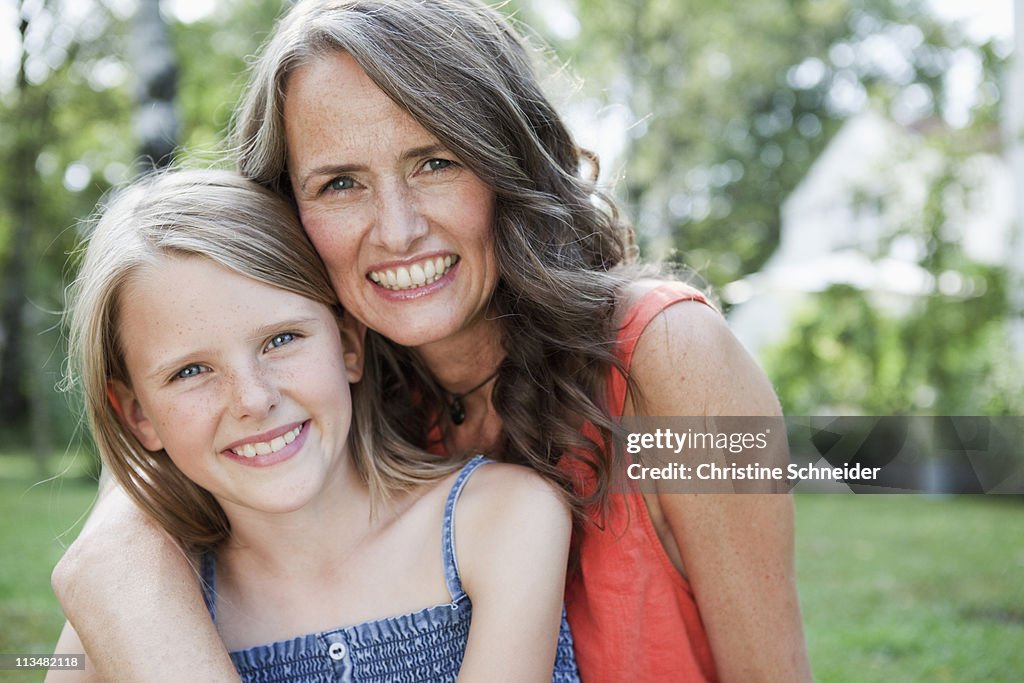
(427, 645)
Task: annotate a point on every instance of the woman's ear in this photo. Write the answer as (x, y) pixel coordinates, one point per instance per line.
(353, 342)
(132, 416)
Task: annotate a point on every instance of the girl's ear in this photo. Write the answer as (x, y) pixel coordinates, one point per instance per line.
(353, 338)
(132, 416)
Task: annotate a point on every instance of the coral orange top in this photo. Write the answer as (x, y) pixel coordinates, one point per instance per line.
(633, 616)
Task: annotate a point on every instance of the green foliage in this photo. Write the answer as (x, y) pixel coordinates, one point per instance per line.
(947, 356)
(946, 352)
(731, 105)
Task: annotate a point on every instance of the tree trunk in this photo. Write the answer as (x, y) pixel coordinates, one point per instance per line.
(156, 121)
(14, 403)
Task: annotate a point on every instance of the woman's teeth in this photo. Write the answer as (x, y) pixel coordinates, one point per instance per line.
(416, 275)
(251, 450)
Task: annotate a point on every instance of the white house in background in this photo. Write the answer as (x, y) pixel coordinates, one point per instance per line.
(831, 227)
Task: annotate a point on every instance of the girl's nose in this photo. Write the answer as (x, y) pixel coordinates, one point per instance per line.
(254, 393)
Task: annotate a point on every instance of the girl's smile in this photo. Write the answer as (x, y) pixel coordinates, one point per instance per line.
(242, 384)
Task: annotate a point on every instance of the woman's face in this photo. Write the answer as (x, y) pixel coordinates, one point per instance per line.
(404, 227)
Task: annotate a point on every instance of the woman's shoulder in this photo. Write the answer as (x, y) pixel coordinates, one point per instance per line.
(686, 360)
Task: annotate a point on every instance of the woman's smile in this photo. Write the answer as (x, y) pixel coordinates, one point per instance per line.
(404, 226)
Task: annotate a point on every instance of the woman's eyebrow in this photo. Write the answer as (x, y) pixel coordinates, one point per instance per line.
(328, 170)
(423, 151)
(334, 169)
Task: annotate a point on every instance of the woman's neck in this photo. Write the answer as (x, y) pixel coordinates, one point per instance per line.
(464, 366)
(463, 360)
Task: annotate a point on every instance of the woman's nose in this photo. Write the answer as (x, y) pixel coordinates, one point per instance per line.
(399, 222)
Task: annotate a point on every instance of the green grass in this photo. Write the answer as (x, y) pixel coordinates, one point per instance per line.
(36, 523)
(893, 588)
(912, 588)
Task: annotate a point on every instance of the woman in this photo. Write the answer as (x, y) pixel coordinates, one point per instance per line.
(444, 194)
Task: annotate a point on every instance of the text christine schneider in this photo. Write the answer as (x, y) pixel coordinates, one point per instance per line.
(667, 441)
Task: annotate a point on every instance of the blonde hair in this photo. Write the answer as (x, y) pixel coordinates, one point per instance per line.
(244, 227)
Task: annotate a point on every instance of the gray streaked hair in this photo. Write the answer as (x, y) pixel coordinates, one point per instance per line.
(461, 70)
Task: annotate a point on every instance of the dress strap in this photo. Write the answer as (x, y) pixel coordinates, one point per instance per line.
(636, 319)
(208, 581)
(448, 555)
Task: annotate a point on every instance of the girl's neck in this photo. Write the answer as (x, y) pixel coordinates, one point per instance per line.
(273, 541)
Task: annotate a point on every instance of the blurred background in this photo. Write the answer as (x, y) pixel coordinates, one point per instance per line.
(846, 176)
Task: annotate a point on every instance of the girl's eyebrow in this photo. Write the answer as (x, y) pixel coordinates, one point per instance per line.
(278, 326)
(162, 371)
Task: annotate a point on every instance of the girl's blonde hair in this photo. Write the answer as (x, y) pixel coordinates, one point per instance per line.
(248, 229)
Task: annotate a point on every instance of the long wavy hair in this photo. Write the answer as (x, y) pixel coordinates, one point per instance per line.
(234, 222)
(462, 71)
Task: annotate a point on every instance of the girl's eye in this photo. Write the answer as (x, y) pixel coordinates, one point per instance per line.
(438, 164)
(190, 371)
(340, 184)
(280, 340)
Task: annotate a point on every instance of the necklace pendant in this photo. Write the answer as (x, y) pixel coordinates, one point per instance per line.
(456, 411)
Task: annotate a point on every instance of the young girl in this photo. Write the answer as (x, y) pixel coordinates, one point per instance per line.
(231, 404)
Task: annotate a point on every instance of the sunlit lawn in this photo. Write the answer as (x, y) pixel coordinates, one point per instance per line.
(894, 588)
(35, 524)
(911, 588)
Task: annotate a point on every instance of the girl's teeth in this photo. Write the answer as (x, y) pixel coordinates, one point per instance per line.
(251, 450)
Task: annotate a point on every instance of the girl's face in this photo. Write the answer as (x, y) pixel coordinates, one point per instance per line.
(244, 385)
(404, 227)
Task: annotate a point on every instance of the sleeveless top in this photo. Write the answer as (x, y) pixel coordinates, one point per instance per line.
(427, 645)
(634, 617)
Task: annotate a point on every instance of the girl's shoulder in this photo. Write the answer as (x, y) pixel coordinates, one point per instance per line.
(506, 510)
(495, 487)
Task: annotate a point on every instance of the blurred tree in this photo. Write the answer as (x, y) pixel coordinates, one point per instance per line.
(67, 116)
(39, 160)
(727, 107)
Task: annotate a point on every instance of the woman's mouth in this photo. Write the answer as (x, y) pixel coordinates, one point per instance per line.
(415, 275)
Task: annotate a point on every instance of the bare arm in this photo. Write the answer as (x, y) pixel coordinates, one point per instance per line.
(512, 534)
(736, 550)
(135, 602)
(70, 644)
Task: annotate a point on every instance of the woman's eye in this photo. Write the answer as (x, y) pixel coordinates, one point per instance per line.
(340, 184)
(438, 164)
(190, 371)
(280, 340)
